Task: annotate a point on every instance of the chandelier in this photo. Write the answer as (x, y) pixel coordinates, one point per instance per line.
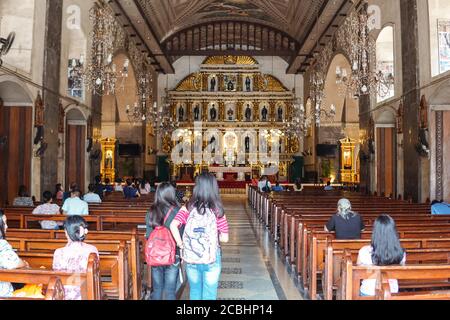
(361, 50)
(140, 112)
(101, 75)
(162, 121)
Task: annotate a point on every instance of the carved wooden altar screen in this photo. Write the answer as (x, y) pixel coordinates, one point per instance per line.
(108, 165)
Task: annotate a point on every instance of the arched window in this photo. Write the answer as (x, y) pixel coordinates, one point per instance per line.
(439, 13)
(20, 19)
(385, 63)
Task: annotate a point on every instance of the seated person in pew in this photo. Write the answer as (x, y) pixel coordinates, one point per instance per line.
(66, 195)
(144, 187)
(108, 186)
(328, 187)
(346, 223)
(129, 191)
(384, 250)
(277, 187)
(118, 185)
(75, 255)
(162, 213)
(59, 192)
(440, 207)
(8, 258)
(48, 208)
(74, 206)
(91, 196)
(23, 199)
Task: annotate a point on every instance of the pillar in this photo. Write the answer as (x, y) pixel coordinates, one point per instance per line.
(51, 81)
(410, 69)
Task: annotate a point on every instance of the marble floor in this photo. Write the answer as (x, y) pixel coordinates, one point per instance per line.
(251, 266)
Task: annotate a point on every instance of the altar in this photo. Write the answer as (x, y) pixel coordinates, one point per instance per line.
(222, 172)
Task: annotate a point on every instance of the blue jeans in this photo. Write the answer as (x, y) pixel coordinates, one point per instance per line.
(164, 281)
(204, 279)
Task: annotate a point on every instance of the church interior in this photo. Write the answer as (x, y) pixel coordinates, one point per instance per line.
(291, 105)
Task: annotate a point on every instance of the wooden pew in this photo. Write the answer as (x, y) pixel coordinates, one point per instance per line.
(89, 282)
(429, 254)
(113, 270)
(437, 275)
(54, 290)
(132, 238)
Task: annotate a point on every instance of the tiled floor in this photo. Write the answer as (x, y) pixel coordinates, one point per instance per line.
(251, 267)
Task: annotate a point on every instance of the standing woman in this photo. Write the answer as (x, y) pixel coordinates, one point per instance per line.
(8, 258)
(162, 213)
(384, 250)
(206, 226)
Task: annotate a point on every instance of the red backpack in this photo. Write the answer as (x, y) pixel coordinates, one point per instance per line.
(160, 248)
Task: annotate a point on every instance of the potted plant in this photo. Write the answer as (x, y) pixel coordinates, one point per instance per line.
(326, 171)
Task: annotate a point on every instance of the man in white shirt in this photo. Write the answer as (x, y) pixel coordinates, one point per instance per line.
(74, 206)
(91, 196)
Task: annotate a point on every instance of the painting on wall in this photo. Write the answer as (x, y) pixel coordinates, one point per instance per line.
(444, 44)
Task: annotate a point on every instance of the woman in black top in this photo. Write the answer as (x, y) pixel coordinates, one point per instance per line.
(346, 223)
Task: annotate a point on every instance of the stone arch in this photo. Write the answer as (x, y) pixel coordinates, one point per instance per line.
(14, 92)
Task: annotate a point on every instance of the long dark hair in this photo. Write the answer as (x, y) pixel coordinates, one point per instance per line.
(206, 195)
(386, 247)
(165, 198)
(2, 226)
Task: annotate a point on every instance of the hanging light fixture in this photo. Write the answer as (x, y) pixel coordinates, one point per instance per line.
(317, 84)
(361, 79)
(100, 75)
(140, 112)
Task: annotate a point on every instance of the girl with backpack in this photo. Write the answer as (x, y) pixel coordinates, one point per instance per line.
(205, 226)
(160, 251)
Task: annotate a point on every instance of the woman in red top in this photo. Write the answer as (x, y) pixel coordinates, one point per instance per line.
(200, 237)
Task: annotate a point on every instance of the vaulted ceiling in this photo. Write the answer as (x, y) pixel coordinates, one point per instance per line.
(297, 25)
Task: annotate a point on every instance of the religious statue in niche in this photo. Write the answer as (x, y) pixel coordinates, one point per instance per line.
(213, 113)
(62, 115)
(247, 144)
(280, 114)
(280, 144)
(212, 143)
(248, 84)
(213, 84)
(264, 113)
(197, 112)
(39, 111)
(108, 160)
(230, 114)
(230, 82)
(248, 113)
(181, 114)
(423, 113)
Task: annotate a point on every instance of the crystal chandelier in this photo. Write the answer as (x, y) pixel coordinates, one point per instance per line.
(100, 75)
(361, 49)
(162, 122)
(141, 112)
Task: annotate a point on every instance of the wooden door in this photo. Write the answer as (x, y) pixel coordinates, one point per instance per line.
(16, 153)
(386, 155)
(75, 155)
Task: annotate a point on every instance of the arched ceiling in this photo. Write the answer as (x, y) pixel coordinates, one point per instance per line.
(307, 22)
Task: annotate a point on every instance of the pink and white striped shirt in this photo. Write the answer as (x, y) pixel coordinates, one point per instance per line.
(183, 215)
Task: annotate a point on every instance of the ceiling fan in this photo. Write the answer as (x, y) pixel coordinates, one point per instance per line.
(5, 45)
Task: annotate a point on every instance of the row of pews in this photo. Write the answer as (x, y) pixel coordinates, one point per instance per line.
(116, 228)
(326, 268)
